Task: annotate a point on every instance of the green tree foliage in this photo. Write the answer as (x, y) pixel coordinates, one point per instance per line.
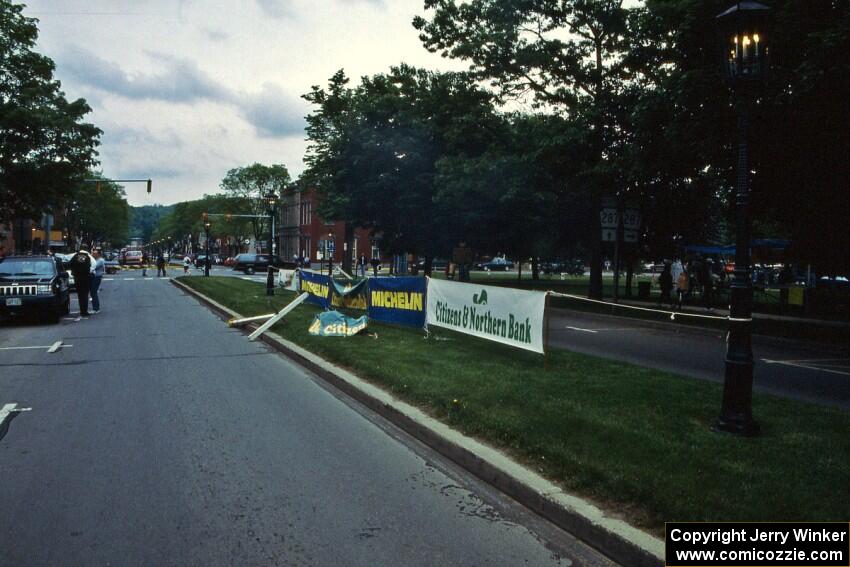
(145, 220)
(374, 152)
(567, 54)
(98, 213)
(45, 147)
(251, 184)
(682, 127)
(184, 223)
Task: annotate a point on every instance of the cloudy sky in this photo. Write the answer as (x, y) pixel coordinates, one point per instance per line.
(186, 89)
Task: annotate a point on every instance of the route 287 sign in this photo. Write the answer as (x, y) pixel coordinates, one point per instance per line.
(631, 224)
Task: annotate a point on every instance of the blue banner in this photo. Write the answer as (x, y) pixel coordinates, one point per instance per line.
(317, 286)
(350, 295)
(335, 324)
(400, 301)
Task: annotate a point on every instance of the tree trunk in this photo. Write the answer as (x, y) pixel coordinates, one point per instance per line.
(535, 268)
(629, 273)
(429, 262)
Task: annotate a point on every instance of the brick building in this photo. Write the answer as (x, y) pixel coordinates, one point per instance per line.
(304, 233)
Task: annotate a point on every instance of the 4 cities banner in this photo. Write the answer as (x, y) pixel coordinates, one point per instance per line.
(327, 293)
(510, 316)
(400, 301)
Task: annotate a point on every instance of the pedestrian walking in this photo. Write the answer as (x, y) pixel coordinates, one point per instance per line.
(361, 265)
(145, 264)
(375, 263)
(665, 280)
(160, 265)
(682, 286)
(187, 263)
(98, 269)
(81, 267)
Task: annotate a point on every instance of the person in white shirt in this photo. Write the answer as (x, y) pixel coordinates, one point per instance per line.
(98, 268)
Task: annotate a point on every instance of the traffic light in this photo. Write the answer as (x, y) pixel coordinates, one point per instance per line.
(149, 185)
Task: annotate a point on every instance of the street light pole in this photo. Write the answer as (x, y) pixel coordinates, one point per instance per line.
(744, 35)
(207, 258)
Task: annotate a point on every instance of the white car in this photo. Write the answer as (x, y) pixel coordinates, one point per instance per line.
(66, 259)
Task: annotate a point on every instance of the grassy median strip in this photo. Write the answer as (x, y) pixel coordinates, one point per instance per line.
(636, 440)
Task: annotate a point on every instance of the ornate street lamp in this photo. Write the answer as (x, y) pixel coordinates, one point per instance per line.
(271, 200)
(744, 40)
(329, 254)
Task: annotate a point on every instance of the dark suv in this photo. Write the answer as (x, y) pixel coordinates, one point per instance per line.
(36, 284)
(250, 263)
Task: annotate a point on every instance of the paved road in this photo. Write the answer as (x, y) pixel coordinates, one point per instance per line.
(158, 436)
(793, 370)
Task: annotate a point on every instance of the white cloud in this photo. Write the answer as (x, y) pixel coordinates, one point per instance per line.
(190, 89)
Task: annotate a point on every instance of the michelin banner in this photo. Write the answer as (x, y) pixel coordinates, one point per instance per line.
(399, 301)
(509, 316)
(317, 286)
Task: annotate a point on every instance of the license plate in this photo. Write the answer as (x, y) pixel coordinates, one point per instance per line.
(13, 302)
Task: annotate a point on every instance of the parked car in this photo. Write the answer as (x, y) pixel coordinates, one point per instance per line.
(34, 284)
(558, 267)
(132, 258)
(250, 263)
(497, 265)
(66, 260)
(112, 266)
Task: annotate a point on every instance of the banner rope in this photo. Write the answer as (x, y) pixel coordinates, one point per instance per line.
(673, 314)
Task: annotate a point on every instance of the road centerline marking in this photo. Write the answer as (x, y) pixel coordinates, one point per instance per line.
(54, 347)
(582, 330)
(805, 366)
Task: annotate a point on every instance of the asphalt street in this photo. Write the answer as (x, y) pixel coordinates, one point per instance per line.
(158, 436)
(794, 370)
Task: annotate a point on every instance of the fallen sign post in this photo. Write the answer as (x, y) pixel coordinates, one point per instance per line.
(280, 315)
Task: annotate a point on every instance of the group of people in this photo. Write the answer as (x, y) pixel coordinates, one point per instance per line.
(682, 279)
(88, 269)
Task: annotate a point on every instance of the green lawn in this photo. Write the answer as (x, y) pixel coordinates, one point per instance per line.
(636, 440)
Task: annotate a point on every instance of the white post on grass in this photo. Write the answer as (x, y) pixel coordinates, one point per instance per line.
(280, 315)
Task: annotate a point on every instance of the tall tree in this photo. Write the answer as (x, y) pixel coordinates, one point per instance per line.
(45, 147)
(374, 151)
(252, 184)
(565, 53)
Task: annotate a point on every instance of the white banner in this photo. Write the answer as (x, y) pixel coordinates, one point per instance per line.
(510, 316)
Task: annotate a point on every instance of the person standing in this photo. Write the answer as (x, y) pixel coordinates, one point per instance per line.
(187, 263)
(682, 286)
(361, 265)
(665, 280)
(99, 268)
(160, 265)
(81, 267)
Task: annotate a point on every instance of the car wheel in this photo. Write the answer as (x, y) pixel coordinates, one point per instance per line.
(249, 271)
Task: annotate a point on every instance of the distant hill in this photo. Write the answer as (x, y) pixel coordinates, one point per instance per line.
(143, 220)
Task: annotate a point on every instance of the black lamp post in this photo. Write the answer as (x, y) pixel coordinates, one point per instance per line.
(207, 245)
(744, 34)
(329, 255)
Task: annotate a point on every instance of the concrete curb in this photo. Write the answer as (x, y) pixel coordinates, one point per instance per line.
(618, 540)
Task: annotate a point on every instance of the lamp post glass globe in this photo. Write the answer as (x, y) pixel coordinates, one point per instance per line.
(744, 32)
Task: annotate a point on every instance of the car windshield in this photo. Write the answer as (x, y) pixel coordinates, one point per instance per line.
(24, 267)
(245, 257)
